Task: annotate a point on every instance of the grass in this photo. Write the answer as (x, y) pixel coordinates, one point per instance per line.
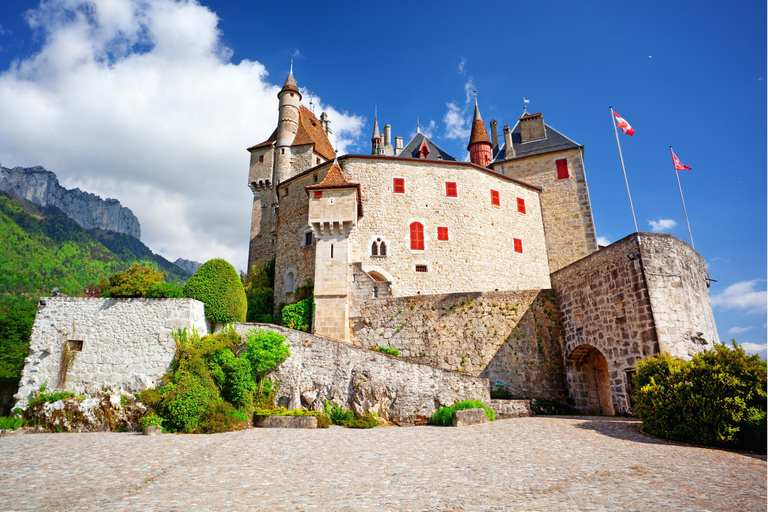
(444, 416)
(10, 423)
(387, 350)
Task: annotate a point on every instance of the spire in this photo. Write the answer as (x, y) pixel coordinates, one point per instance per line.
(290, 83)
(418, 130)
(479, 145)
(376, 137)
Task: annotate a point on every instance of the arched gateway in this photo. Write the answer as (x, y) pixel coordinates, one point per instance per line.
(589, 381)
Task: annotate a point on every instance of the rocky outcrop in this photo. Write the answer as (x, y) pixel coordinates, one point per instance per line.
(187, 265)
(41, 187)
(102, 412)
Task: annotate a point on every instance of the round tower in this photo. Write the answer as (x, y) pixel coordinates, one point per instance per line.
(287, 126)
(480, 147)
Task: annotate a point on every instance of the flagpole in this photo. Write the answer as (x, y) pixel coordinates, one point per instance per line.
(618, 145)
(677, 175)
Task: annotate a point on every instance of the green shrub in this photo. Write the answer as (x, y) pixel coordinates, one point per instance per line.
(265, 349)
(716, 399)
(17, 314)
(322, 420)
(150, 420)
(367, 421)
(339, 416)
(165, 291)
(11, 423)
(236, 380)
(217, 285)
(221, 417)
(134, 282)
(299, 314)
(260, 293)
(46, 398)
(185, 401)
(387, 350)
(444, 415)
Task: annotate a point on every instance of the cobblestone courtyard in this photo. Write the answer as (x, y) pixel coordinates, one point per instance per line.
(519, 464)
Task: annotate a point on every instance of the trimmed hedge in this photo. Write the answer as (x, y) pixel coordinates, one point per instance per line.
(716, 399)
(217, 285)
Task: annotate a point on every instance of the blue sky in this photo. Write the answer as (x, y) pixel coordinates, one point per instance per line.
(154, 102)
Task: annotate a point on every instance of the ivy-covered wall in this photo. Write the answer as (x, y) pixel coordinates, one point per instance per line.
(512, 338)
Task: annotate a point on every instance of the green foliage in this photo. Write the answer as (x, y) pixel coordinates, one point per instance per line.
(46, 398)
(134, 282)
(387, 350)
(17, 314)
(323, 421)
(299, 314)
(444, 416)
(150, 420)
(11, 423)
(217, 285)
(186, 399)
(165, 291)
(368, 420)
(260, 293)
(265, 349)
(716, 399)
(345, 418)
(222, 417)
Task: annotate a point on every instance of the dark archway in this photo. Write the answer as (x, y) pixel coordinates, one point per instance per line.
(589, 381)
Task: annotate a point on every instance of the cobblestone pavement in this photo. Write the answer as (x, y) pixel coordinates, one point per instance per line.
(539, 463)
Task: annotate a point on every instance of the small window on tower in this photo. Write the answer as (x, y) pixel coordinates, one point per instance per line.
(562, 168)
(308, 238)
(374, 249)
(421, 268)
(442, 234)
(518, 245)
(521, 205)
(261, 159)
(317, 161)
(398, 185)
(318, 194)
(450, 189)
(495, 198)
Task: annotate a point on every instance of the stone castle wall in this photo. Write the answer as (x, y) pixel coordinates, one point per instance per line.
(512, 338)
(125, 343)
(321, 369)
(565, 204)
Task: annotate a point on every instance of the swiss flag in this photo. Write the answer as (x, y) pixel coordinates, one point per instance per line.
(679, 166)
(624, 125)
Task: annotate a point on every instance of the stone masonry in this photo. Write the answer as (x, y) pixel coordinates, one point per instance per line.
(120, 343)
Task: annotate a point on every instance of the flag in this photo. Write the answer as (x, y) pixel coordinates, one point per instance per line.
(624, 125)
(679, 166)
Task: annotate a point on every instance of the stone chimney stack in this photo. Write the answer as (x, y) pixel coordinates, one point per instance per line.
(494, 138)
(532, 127)
(509, 149)
(325, 123)
(387, 135)
(398, 145)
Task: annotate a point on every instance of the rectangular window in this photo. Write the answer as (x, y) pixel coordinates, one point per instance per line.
(450, 189)
(518, 245)
(308, 237)
(421, 268)
(261, 159)
(521, 205)
(398, 185)
(318, 194)
(495, 198)
(562, 168)
(442, 234)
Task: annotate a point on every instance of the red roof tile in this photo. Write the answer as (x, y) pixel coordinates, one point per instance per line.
(310, 131)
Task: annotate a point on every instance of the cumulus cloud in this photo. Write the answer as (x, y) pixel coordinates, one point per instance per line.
(739, 330)
(140, 101)
(755, 348)
(601, 240)
(658, 226)
(742, 295)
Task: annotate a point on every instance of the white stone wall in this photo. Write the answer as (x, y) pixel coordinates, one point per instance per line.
(126, 343)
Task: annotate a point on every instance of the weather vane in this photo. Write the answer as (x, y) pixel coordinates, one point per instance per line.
(525, 102)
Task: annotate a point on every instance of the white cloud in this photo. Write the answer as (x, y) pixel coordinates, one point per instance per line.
(456, 123)
(661, 225)
(428, 131)
(462, 70)
(739, 330)
(140, 101)
(742, 295)
(754, 348)
(601, 240)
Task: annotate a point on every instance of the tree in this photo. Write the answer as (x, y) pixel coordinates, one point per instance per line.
(217, 285)
(134, 282)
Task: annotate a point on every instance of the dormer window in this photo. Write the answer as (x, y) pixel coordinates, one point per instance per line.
(423, 150)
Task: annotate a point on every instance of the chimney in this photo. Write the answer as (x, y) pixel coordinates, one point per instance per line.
(398, 145)
(387, 135)
(509, 149)
(325, 123)
(494, 138)
(532, 127)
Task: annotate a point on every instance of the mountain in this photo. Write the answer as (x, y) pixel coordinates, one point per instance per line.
(188, 265)
(41, 187)
(42, 247)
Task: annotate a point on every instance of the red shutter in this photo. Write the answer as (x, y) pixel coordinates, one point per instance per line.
(261, 159)
(521, 205)
(442, 234)
(518, 245)
(450, 189)
(562, 168)
(318, 194)
(417, 236)
(495, 198)
(399, 185)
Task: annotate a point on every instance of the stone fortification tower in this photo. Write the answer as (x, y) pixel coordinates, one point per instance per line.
(287, 126)
(479, 146)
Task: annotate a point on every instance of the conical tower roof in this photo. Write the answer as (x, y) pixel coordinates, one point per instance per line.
(290, 84)
(478, 133)
(376, 133)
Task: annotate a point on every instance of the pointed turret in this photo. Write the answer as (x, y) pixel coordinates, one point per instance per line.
(376, 137)
(290, 84)
(480, 148)
(287, 126)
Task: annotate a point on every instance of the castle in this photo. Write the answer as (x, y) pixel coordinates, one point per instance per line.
(411, 225)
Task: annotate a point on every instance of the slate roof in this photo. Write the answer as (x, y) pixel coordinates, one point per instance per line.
(290, 84)
(411, 150)
(310, 131)
(555, 141)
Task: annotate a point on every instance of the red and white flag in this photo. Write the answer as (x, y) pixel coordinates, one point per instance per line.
(624, 125)
(679, 166)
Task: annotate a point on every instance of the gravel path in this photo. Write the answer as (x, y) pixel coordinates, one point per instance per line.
(540, 463)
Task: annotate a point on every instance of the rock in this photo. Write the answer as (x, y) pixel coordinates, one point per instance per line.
(152, 431)
(285, 422)
(94, 413)
(510, 408)
(469, 417)
(187, 265)
(41, 187)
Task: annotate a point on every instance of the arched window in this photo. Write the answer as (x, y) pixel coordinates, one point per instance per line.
(383, 249)
(289, 282)
(378, 247)
(417, 236)
(374, 249)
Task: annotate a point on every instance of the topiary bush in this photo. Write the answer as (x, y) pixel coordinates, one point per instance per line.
(718, 398)
(444, 416)
(217, 285)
